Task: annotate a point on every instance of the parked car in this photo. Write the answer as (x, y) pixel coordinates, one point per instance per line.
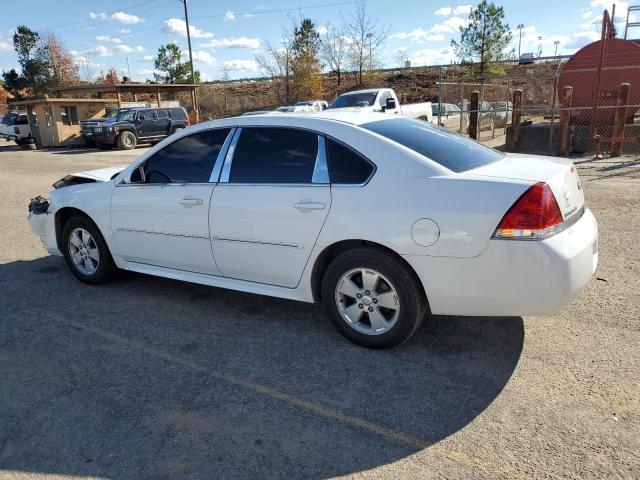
(139, 125)
(383, 219)
(15, 126)
(526, 58)
(294, 109)
(504, 113)
(451, 117)
(316, 105)
(382, 100)
(486, 115)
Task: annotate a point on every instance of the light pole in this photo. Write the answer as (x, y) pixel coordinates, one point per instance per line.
(370, 36)
(193, 76)
(556, 43)
(539, 46)
(520, 27)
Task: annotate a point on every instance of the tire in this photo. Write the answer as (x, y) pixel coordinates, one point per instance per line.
(127, 141)
(404, 295)
(79, 258)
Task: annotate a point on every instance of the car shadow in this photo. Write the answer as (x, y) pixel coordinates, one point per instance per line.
(151, 378)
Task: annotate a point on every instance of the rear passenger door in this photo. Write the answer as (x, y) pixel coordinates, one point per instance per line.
(270, 204)
(163, 122)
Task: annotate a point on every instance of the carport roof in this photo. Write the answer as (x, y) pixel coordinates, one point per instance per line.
(38, 101)
(126, 87)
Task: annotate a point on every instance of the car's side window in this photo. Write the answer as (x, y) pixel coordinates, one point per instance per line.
(187, 160)
(146, 115)
(274, 155)
(346, 166)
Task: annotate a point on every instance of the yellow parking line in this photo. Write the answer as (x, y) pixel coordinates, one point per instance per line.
(390, 434)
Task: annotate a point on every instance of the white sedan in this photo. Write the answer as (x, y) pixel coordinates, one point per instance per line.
(384, 220)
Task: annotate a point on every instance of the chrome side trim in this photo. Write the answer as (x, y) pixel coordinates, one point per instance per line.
(222, 154)
(320, 170)
(226, 168)
(259, 242)
(157, 232)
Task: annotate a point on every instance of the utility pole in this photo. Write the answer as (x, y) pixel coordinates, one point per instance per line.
(128, 69)
(193, 76)
(370, 36)
(539, 46)
(520, 27)
(556, 43)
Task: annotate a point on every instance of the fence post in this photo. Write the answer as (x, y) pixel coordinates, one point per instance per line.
(473, 115)
(565, 116)
(515, 120)
(621, 116)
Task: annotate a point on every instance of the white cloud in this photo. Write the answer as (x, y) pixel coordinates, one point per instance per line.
(229, 16)
(100, 51)
(419, 35)
(459, 10)
(127, 49)
(124, 31)
(432, 56)
(107, 38)
(117, 16)
(178, 26)
(250, 65)
(586, 15)
(204, 57)
(606, 4)
(5, 46)
(239, 42)
(450, 25)
(580, 39)
(322, 30)
(126, 18)
(148, 58)
(146, 71)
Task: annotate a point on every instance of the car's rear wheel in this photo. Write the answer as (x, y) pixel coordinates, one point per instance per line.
(127, 141)
(373, 298)
(86, 252)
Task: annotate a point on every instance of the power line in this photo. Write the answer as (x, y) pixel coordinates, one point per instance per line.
(255, 13)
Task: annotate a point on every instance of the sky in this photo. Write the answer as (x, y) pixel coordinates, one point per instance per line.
(227, 35)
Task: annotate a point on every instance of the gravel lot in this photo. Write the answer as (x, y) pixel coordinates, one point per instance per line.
(153, 378)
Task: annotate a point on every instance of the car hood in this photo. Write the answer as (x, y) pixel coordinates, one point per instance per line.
(89, 176)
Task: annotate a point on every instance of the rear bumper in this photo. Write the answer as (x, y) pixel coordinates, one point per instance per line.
(513, 278)
(44, 227)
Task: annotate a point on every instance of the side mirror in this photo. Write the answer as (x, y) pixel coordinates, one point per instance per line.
(138, 175)
(391, 103)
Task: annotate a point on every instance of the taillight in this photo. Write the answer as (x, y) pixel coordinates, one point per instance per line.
(535, 215)
(188, 122)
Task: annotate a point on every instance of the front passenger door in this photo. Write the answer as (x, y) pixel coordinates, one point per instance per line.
(270, 204)
(146, 123)
(160, 216)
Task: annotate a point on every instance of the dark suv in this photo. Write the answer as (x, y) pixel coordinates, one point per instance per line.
(139, 125)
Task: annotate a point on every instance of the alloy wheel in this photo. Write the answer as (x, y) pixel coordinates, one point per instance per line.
(367, 301)
(83, 251)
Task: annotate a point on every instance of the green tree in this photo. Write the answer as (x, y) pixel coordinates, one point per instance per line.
(33, 57)
(484, 38)
(170, 66)
(305, 67)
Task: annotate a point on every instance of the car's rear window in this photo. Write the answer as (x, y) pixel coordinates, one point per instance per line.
(453, 151)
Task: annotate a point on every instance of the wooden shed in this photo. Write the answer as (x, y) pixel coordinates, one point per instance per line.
(55, 122)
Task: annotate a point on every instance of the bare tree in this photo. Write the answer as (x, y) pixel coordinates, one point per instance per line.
(365, 38)
(333, 50)
(277, 63)
(400, 57)
(88, 71)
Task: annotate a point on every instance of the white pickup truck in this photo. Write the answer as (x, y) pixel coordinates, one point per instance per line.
(15, 126)
(382, 100)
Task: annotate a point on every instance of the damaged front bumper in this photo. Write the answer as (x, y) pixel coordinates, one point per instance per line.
(43, 225)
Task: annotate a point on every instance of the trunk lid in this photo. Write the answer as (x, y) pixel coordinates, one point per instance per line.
(559, 173)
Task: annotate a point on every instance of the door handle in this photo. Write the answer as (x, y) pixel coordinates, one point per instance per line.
(190, 201)
(305, 206)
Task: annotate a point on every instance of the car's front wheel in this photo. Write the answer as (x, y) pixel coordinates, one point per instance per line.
(373, 298)
(86, 252)
(127, 141)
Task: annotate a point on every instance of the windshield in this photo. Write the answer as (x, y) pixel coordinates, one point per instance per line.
(9, 118)
(304, 104)
(126, 116)
(355, 100)
(453, 151)
(111, 114)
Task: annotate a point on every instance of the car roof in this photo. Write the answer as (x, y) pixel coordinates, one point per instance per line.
(291, 118)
